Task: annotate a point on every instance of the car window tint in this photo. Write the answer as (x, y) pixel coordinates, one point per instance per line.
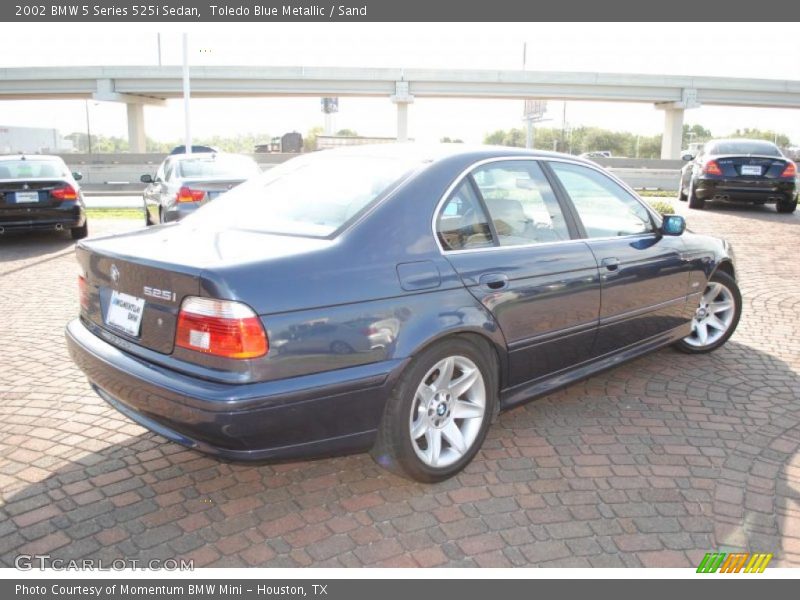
(313, 195)
(521, 203)
(32, 168)
(214, 166)
(168, 171)
(605, 208)
(462, 223)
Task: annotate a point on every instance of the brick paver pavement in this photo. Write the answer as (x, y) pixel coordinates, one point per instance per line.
(651, 464)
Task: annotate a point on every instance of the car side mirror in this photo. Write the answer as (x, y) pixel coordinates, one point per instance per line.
(673, 225)
(146, 179)
(77, 175)
(687, 157)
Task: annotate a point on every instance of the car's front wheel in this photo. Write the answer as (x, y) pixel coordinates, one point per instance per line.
(440, 411)
(716, 316)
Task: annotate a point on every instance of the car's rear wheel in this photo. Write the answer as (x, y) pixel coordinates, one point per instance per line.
(716, 316)
(440, 411)
(681, 193)
(786, 206)
(694, 201)
(78, 233)
(147, 220)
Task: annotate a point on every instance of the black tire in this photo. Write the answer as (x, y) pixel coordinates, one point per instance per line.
(730, 283)
(160, 214)
(681, 194)
(786, 206)
(394, 449)
(78, 233)
(147, 220)
(694, 201)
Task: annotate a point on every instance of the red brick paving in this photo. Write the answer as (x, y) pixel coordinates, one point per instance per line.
(651, 464)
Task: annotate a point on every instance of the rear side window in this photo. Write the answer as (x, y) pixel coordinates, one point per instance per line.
(605, 208)
(521, 203)
(462, 222)
(32, 169)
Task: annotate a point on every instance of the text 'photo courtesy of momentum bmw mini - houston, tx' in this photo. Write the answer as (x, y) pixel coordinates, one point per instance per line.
(390, 298)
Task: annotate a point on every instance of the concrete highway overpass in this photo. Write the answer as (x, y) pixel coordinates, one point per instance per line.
(140, 85)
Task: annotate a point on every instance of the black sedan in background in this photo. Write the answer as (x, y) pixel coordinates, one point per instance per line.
(38, 192)
(739, 170)
(391, 297)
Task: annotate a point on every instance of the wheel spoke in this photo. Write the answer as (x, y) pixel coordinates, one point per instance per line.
(453, 435)
(419, 428)
(467, 410)
(718, 307)
(713, 322)
(712, 293)
(425, 393)
(702, 332)
(445, 373)
(464, 383)
(434, 438)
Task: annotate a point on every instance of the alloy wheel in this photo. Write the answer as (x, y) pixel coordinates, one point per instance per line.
(448, 411)
(713, 317)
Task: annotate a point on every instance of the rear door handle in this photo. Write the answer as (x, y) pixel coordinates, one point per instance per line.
(494, 281)
(611, 263)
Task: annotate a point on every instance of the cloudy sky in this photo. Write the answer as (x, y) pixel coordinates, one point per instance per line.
(734, 50)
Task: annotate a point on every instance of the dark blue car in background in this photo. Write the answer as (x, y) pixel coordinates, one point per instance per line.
(391, 298)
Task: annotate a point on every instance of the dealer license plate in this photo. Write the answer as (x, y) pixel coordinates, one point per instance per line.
(751, 170)
(21, 197)
(125, 313)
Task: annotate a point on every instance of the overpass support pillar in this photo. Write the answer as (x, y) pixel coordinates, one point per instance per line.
(673, 123)
(673, 134)
(402, 98)
(136, 135)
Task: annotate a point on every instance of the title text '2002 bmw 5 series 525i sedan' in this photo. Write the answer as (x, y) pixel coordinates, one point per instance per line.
(391, 298)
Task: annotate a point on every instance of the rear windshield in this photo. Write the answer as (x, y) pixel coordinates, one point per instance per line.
(214, 166)
(31, 168)
(744, 147)
(313, 196)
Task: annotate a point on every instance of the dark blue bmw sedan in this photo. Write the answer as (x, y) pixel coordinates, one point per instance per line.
(391, 298)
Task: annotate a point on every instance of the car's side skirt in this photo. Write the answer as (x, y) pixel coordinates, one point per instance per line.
(526, 392)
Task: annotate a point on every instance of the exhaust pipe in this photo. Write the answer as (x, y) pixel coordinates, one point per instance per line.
(59, 227)
(2, 230)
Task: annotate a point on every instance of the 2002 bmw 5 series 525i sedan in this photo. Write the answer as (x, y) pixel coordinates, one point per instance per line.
(393, 298)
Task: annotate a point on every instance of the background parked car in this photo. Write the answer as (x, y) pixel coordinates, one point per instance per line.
(38, 193)
(195, 149)
(739, 170)
(185, 181)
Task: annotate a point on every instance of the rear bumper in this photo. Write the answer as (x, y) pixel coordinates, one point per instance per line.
(44, 219)
(314, 415)
(176, 212)
(745, 190)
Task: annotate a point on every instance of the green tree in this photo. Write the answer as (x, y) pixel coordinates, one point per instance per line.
(347, 133)
(310, 140)
(780, 139)
(695, 133)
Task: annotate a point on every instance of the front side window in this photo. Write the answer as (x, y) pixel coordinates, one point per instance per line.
(521, 204)
(605, 208)
(462, 223)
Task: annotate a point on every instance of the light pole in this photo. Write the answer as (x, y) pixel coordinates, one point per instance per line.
(88, 128)
(186, 92)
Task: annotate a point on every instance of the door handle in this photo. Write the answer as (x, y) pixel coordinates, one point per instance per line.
(494, 281)
(611, 263)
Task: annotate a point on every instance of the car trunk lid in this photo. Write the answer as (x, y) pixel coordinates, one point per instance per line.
(20, 198)
(751, 167)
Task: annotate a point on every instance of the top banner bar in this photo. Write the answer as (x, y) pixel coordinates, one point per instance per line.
(199, 11)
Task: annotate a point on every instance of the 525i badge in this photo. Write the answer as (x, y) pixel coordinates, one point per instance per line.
(161, 294)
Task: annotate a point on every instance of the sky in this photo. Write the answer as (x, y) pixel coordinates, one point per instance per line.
(754, 50)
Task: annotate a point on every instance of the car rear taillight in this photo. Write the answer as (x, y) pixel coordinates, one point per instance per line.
(712, 168)
(83, 292)
(220, 327)
(65, 192)
(186, 194)
(790, 170)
